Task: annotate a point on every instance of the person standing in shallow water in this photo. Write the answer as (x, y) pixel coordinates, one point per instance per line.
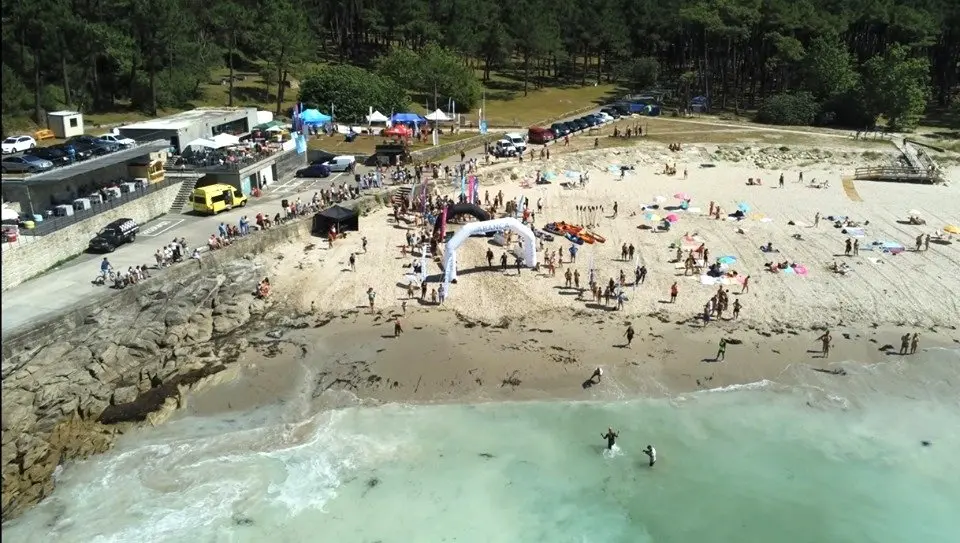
(611, 438)
(721, 351)
(652, 454)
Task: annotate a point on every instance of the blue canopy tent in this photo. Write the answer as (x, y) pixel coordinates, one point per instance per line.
(407, 118)
(314, 117)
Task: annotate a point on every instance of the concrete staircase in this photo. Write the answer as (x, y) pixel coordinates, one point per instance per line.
(402, 194)
(186, 191)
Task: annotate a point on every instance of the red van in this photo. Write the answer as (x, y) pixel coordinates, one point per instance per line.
(539, 135)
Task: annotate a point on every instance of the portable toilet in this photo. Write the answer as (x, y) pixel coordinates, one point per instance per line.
(128, 187)
(63, 211)
(112, 192)
(65, 124)
(81, 204)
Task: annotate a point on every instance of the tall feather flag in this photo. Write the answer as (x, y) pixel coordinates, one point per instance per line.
(463, 186)
(443, 224)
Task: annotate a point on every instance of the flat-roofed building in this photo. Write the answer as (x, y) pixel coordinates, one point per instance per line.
(185, 127)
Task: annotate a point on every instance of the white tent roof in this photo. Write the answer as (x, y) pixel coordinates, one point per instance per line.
(202, 142)
(226, 140)
(377, 117)
(9, 214)
(438, 116)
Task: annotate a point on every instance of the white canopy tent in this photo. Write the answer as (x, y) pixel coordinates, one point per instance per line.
(226, 140)
(9, 214)
(438, 116)
(377, 117)
(203, 142)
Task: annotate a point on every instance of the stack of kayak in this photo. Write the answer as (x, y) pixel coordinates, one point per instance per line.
(574, 233)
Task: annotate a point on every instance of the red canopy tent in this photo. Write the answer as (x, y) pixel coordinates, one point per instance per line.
(399, 131)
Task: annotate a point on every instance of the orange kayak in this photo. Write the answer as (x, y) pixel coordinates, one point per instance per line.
(597, 237)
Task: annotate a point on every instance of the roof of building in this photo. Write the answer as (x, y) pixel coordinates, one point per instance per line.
(63, 113)
(184, 119)
(94, 164)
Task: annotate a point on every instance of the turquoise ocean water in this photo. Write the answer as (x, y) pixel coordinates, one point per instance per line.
(837, 459)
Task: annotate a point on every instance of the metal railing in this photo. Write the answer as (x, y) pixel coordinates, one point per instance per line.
(211, 163)
(52, 224)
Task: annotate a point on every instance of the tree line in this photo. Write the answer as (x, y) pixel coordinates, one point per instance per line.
(840, 61)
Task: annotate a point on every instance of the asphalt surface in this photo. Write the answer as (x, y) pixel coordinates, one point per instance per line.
(58, 290)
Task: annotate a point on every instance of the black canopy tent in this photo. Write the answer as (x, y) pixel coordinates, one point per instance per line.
(344, 218)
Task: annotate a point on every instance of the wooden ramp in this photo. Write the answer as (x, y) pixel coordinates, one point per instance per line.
(851, 189)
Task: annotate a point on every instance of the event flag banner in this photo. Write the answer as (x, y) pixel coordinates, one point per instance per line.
(301, 143)
(463, 186)
(483, 127)
(443, 224)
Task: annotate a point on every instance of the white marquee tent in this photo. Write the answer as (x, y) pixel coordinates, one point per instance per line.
(438, 116)
(377, 117)
(202, 142)
(226, 140)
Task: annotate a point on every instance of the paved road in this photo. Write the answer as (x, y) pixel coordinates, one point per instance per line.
(51, 293)
(45, 296)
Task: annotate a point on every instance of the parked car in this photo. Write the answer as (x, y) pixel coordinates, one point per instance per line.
(571, 127)
(54, 155)
(120, 141)
(559, 130)
(341, 163)
(580, 124)
(101, 147)
(79, 151)
(590, 120)
(604, 117)
(517, 140)
(15, 144)
(114, 235)
(314, 170)
(611, 111)
(25, 164)
(504, 148)
(539, 135)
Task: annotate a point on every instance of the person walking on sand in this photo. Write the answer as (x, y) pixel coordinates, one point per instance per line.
(904, 344)
(919, 242)
(856, 247)
(674, 290)
(816, 220)
(926, 242)
(489, 258)
(371, 296)
(914, 343)
(629, 334)
(848, 247)
(736, 309)
(597, 374)
(397, 329)
(503, 262)
(353, 262)
(363, 241)
(568, 277)
(423, 290)
(746, 285)
(781, 180)
(651, 454)
(825, 340)
(722, 349)
(611, 438)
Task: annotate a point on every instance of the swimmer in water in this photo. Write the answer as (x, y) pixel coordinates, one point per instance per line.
(652, 453)
(611, 438)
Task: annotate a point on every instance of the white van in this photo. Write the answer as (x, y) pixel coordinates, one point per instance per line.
(517, 140)
(341, 163)
(504, 148)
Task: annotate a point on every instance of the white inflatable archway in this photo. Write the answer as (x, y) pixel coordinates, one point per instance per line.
(486, 227)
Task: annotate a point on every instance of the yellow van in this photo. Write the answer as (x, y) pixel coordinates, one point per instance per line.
(213, 199)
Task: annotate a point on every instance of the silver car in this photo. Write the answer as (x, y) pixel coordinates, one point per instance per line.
(25, 164)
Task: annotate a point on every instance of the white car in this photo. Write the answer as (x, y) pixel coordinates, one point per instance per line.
(124, 143)
(341, 163)
(15, 144)
(605, 116)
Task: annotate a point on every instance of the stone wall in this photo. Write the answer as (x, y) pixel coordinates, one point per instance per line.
(431, 154)
(28, 260)
(69, 382)
(288, 163)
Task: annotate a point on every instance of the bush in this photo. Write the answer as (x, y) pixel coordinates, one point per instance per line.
(847, 110)
(789, 109)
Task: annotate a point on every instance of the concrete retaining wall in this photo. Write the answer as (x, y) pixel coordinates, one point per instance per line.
(28, 260)
(288, 163)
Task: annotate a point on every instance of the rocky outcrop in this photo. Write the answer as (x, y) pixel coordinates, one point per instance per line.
(67, 393)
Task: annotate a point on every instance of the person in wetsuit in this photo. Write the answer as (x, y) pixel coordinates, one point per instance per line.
(611, 437)
(652, 454)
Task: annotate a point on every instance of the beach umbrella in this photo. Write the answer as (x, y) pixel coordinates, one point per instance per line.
(743, 206)
(652, 217)
(672, 217)
(727, 260)
(952, 229)
(681, 196)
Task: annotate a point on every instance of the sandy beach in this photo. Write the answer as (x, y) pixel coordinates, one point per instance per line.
(504, 335)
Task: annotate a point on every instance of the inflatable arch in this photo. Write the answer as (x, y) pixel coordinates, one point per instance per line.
(455, 210)
(487, 227)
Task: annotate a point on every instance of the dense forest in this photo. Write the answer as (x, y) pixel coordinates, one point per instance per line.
(824, 61)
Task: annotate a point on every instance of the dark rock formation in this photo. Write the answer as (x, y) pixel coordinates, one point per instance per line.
(69, 390)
